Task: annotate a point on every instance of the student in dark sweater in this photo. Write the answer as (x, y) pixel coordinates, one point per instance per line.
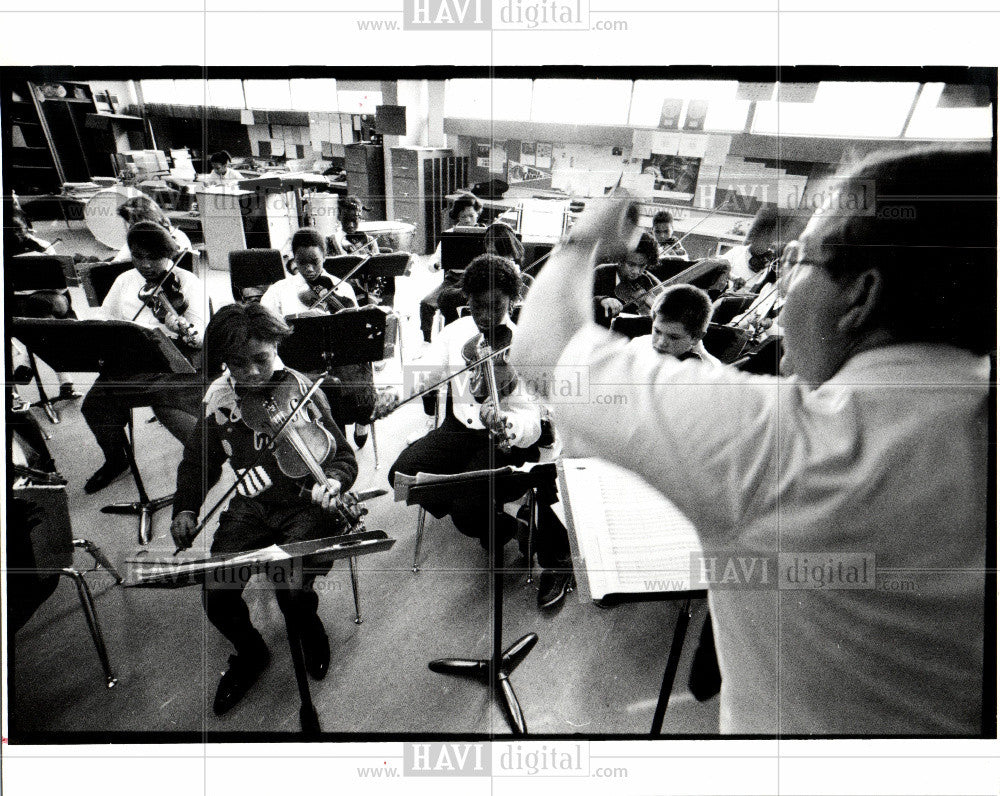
(269, 507)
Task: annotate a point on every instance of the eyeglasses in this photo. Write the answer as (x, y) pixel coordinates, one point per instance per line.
(790, 263)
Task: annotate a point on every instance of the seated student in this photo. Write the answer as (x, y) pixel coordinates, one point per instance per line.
(447, 297)
(464, 442)
(19, 238)
(668, 245)
(751, 263)
(269, 507)
(351, 391)
(349, 238)
(142, 208)
(175, 398)
(298, 291)
(624, 286)
(221, 174)
(680, 319)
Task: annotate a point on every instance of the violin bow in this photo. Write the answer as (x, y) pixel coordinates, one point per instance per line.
(326, 294)
(258, 459)
(445, 380)
(159, 286)
(682, 238)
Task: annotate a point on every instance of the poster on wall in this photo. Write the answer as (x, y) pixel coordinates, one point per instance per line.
(543, 155)
(527, 153)
(483, 156)
(672, 173)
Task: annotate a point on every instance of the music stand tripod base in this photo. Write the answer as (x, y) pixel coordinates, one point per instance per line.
(497, 676)
(144, 509)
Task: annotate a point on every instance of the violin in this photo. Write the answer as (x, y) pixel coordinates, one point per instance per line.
(492, 377)
(166, 300)
(640, 292)
(320, 293)
(287, 422)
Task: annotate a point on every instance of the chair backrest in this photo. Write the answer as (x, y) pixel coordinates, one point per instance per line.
(254, 268)
(38, 272)
(728, 307)
(726, 343)
(632, 325)
(98, 278)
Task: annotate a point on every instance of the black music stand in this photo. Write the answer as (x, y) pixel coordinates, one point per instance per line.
(348, 337)
(29, 273)
(114, 347)
(494, 671)
(348, 546)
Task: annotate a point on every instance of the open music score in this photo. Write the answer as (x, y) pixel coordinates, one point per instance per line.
(631, 538)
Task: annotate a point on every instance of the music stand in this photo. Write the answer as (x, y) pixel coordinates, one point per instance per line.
(29, 273)
(348, 337)
(326, 550)
(113, 347)
(494, 671)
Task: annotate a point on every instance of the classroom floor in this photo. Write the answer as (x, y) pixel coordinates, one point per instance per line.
(594, 671)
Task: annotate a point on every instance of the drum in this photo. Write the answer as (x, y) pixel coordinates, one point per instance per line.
(323, 208)
(101, 215)
(396, 235)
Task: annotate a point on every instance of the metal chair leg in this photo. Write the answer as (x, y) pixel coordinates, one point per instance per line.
(421, 521)
(90, 614)
(355, 589)
(43, 400)
(532, 522)
(371, 428)
(98, 555)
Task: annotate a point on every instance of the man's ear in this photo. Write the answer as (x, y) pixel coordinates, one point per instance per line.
(861, 298)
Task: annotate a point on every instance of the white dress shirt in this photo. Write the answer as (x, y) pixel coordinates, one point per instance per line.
(282, 298)
(444, 356)
(122, 302)
(887, 459)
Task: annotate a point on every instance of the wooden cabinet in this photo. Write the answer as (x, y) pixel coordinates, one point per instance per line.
(421, 178)
(366, 177)
(33, 168)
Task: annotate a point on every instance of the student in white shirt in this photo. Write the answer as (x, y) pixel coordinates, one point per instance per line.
(175, 398)
(221, 174)
(867, 470)
(680, 319)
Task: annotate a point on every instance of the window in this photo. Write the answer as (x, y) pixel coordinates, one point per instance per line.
(358, 101)
(930, 121)
(191, 92)
(875, 110)
(603, 102)
(508, 100)
(158, 91)
(226, 94)
(273, 95)
(724, 111)
(314, 95)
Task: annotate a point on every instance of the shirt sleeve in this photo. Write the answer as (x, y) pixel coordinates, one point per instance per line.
(194, 292)
(344, 465)
(111, 307)
(200, 467)
(272, 299)
(704, 436)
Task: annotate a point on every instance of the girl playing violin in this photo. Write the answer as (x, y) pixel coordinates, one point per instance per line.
(178, 309)
(467, 439)
(269, 507)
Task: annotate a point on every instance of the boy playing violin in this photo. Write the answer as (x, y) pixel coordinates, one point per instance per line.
(624, 286)
(269, 507)
(175, 398)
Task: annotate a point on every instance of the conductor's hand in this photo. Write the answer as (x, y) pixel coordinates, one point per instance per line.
(184, 529)
(610, 222)
(612, 306)
(326, 495)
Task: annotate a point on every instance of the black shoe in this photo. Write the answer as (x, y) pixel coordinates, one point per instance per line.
(315, 647)
(705, 680)
(106, 474)
(360, 436)
(553, 585)
(244, 670)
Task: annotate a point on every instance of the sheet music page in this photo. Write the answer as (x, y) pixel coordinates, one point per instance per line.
(632, 538)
